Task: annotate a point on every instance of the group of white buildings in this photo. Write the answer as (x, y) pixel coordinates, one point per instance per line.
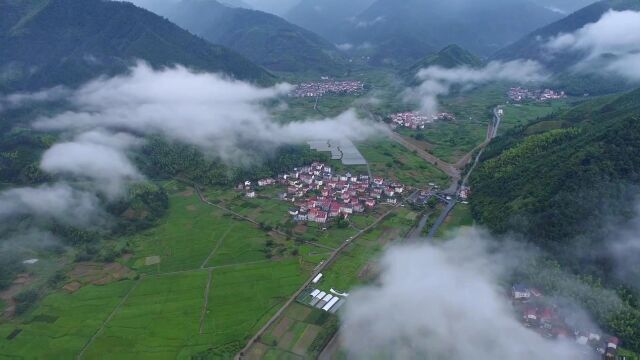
(416, 120)
(518, 94)
(321, 88)
(329, 301)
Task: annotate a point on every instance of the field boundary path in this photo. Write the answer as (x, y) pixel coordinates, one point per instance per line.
(215, 249)
(205, 305)
(108, 319)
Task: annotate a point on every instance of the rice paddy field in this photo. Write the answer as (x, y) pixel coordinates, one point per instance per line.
(203, 281)
(203, 287)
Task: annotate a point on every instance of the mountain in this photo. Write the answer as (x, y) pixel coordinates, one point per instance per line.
(266, 39)
(565, 184)
(450, 57)
(531, 46)
(329, 18)
(564, 6)
(236, 4)
(480, 26)
(550, 180)
(66, 42)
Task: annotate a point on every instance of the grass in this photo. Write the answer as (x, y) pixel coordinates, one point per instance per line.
(459, 216)
(630, 355)
(393, 161)
(450, 140)
(347, 270)
(242, 299)
(520, 114)
(161, 318)
(158, 320)
(189, 234)
(300, 326)
(77, 317)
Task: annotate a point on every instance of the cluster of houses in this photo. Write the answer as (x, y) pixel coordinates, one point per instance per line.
(416, 120)
(320, 88)
(544, 317)
(318, 195)
(518, 94)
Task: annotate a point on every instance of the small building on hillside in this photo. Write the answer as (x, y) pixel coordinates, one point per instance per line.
(520, 292)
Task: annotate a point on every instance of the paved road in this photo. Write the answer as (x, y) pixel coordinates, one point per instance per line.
(492, 132)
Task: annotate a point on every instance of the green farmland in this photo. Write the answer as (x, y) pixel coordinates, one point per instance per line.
(161, 314)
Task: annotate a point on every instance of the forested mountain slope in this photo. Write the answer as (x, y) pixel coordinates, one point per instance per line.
(555, 180)
(66, 42)
(265, 39)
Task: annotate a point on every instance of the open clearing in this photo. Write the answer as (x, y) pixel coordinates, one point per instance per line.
(392, 161)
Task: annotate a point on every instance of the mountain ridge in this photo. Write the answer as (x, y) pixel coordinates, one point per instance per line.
(65, 42)
(263, 38)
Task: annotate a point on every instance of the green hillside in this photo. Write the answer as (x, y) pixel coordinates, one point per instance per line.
(266, 39)
(548, 171)
(450, 57)
(52, 42)
(563, 183)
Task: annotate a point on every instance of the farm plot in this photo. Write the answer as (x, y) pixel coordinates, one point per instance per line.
(158, 321)
(62, 323)
(392, 161)
(243, 298)
(194, 235)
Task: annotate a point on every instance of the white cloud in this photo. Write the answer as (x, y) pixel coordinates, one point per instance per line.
(442, 302)
(612, 44)
(366, 24)
(345, 46)
(59, 202)
(437, 81)
(97, 156)
(207, 110)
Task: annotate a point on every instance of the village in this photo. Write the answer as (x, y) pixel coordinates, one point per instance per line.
(318, 195)
(544, 316)
(518, 94)
(321, 88)
(416, 120)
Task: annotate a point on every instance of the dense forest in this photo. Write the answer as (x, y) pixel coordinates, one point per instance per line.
(563, 183)
(161, 159)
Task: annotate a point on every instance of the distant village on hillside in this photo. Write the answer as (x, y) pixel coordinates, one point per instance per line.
(318, 194)
(324, 87)
(544, 316)
(518, 94)
(416, 120)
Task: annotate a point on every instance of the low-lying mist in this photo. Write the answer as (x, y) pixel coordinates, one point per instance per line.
(106, 120)
(450, 300)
